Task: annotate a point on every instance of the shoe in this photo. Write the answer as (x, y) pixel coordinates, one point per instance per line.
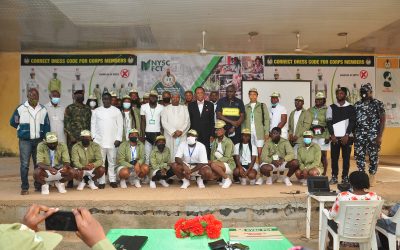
(60, 187)
(136, 183)
(81, 185)
(269, 181)
(221, 181)
(122, 183)
(243, 181)
(200, 183)
(164, 183)
(92, 185)
(372, 181)
(24, 192)
(252, 182)
(45, 189)
(287, 181)
(114, 184)
(275, 178)
(345, 180)
(333, 181)
(186, 183)
(170, 181)
(70, 184)
(259, 181)
(227, 183)
(102, 186)
(153, 184)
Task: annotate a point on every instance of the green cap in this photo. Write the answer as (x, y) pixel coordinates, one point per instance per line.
(299, 98)
(85, 133)
(320, 95)
(308, 133)
(246, 131)
(133, 131)
(275, 94)
(220, 124)
(51, 137)
(160, 137)
(153, 92)
(192, 132)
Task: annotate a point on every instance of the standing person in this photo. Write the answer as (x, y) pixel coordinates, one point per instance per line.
(319, 128)
(257, 120)
(56, 115)
(160, 163)
(151, 122)
(134, 95)
(309, 158)
(214, 97)
(130, 116)
(188, 97)
(32, 123)
(231, 110)
(341, 118)
(166, 98)
(107, 126)
(370, 123)
(278, 115)
(145, 99)
(87, 160)
(201, 113)
(176, 122)
(299, 122)
(92, 102)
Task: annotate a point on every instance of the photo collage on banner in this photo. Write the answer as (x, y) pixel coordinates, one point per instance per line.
(94, 74)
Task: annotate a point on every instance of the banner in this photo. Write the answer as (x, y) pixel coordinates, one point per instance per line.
(388, 88)
(94, 74)
(327, 73)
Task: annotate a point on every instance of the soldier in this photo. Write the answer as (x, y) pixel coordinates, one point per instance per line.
(86, 158)
(370, 123)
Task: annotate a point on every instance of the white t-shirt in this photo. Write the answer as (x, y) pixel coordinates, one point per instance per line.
(296, 119)
(275, 115)
(197, 154)
(153, 117)
(245, 158)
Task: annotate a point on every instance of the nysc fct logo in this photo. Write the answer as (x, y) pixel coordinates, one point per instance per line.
(154, 65)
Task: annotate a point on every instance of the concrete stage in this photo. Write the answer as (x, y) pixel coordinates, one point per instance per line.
(147, 208)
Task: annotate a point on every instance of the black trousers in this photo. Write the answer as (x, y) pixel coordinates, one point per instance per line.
(335, 152)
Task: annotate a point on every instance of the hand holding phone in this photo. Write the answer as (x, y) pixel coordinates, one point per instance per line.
(35, 215)
(61, 221)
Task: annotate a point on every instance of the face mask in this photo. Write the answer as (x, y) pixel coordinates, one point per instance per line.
(85, 142)
(55, 100)
(167, 100)
(307, 140)
(52, 146)
(274, 104)
(33, 102)
(161, 147)
(363, 94)
(92, 104)
(191, 140)
(126, 105)
(133, 139)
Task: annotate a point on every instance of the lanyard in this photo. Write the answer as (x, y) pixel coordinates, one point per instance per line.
(133, 153)
(191, 153)
(152, 111)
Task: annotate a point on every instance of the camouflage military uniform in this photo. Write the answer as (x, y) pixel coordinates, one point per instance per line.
(76, 118)
(367, 128)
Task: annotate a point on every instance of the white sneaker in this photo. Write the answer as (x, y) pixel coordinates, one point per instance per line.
(61, 187)
(81, 185)
(227, 183)
(45, 189)
(136, 183)
(243, 181)
(252, 182)
(303, 182)
(269, 181)
(287, 181)
(259, 181)
(221, 182)
(164, 183)
(186, 183)
(153, 184)
(200, 182)
(92, 185)
(122, 183)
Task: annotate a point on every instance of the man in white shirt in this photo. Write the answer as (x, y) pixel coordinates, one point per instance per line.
(56, 115)
(107, 127)
(278, 115)
(176, 122)
(190, 157)
(150, 114)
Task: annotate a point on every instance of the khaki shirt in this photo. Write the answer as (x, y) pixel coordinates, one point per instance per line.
(320, 116)
(303, 124)
(159, 160)
(81, 156)
(309, 157)
(256, 114)
(227, 147)
(124, 155)
(283, 149)
(61, 155)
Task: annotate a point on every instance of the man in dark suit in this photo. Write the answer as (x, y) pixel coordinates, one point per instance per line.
(201, 113)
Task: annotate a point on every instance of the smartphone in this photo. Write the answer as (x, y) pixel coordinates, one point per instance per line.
(126, 242)
(61, 221)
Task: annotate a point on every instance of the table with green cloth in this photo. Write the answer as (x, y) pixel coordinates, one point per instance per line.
(165, 239)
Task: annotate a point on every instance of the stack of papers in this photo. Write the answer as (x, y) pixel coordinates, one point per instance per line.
(255, 233)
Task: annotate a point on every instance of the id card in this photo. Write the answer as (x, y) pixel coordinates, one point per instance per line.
(315, 122)
(275, 157)
(152, 121)
(317, 131)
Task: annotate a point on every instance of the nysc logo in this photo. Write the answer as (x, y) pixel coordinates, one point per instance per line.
(154, 65)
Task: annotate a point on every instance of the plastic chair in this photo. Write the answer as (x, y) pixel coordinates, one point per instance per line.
(392, 238)
(356, 223)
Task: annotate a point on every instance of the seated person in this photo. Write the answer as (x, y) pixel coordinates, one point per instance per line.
(160, 163)
(359, 181)
(222, 161)
(277, 155)
(309, 158)
(245, 155)
(53, 164)
(130, 159)
(191, 156)
(388, 225)
(87, 160)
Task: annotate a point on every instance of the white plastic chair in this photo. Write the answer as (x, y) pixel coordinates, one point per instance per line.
(356, 223)
(392, 238)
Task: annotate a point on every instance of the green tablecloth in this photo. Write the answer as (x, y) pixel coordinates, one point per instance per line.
(165, 239)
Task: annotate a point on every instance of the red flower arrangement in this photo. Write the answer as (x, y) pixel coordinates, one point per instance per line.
(199, 225)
